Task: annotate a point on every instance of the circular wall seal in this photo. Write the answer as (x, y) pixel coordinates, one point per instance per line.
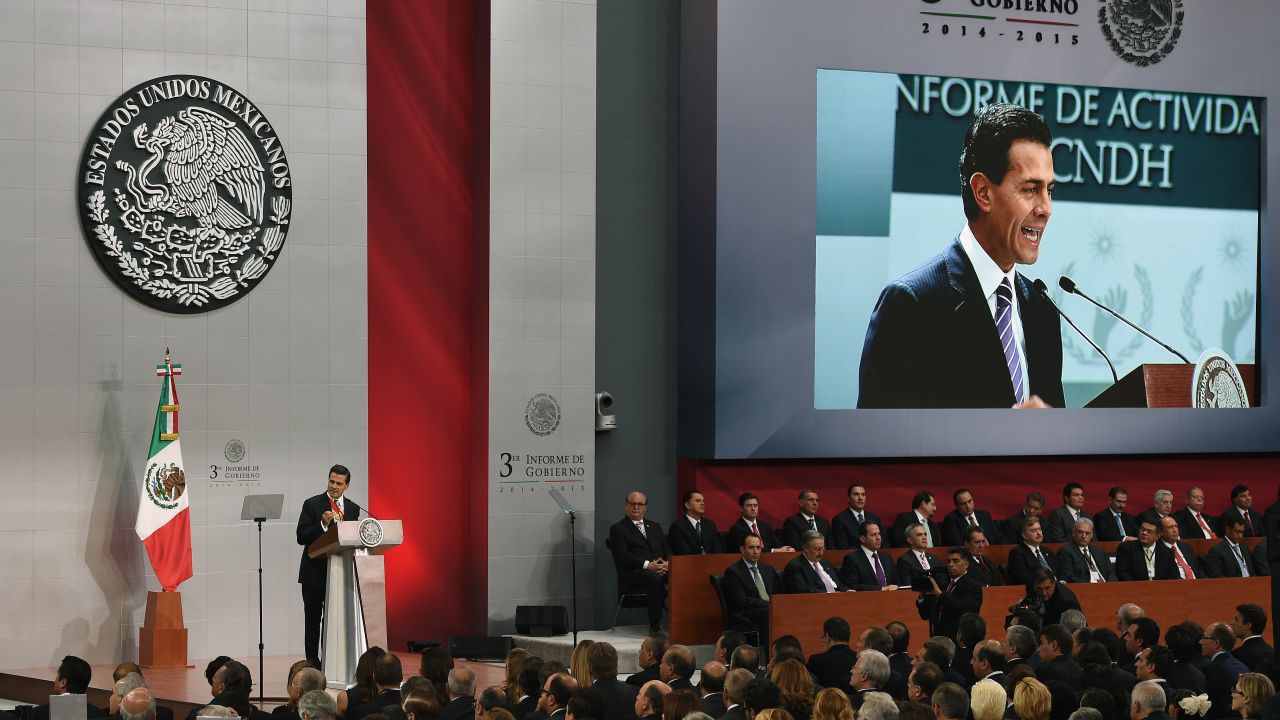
(185, 194)
(234, 451)
(370, 532)
(1141, 32)
(542, 414)
(1216, 382)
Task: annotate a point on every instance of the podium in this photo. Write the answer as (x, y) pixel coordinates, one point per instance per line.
(1163, 386)
(355, 605)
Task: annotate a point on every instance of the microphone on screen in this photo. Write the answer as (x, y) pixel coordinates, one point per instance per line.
(1043, 290)
(1067, 284)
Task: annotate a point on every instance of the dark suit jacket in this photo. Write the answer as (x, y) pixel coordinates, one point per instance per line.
(858, 573)
(740, 593)
(943, 611)
(1071, 566)
(631, 550)
(1189, 529)
(1185, 676)
(794, 528)
(1063, 600)
(909, 568)
(1105, 530)
(739, 530)
(1220, 561)
(712, 704)
(953, 527)
(844, 528)
(316, 572)
(1233, 513)
(1219, 677)
(530, 703)
(1260, 558)
(798, 577)
(833, 666)
(1189, 555)
(236, 698)
(455, 710)
(645, 675)
(619, 698)
(682, 684)
(932, 343)
(1256, 654)
(1057, 527)
(898, 535)
(1061, 668)
(738, 712)
(684, 541)
(1131, 563)
(985, 570)
(1022, 563)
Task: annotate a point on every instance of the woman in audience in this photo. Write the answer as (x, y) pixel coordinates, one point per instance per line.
(988, 700)
(795, 686)
(365, 688)
(1031, 700)
(772, 714)
(1249, 694)
(832, 704)
(578, 663)
(435, 667)
(1187, 705)
(511, 685)
(676, 705)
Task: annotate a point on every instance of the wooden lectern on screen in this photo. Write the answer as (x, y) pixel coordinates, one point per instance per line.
(1163, 386)
(355, 605)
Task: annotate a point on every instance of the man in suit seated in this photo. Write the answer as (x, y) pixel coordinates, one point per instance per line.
(868, 567)
(1183, 557)
(1242, 507)
(966, 515)
(1148, 703)
(1049, 598)
(640, 555)
(711, 688)
(1080, 561)
(942, 607)
(1033, 506)
(1025, 557)
(923, 508)
(846, 523)
(735, 687)
(1058, 527)
(1055, 656)
(1193, 523)
(1223, 670)
(677, 668)
(619, 697)
(1249, 624)
(694, 534)
(387, 676)
(832, 666)
(556, 693)
(748, 586)
(750, 524)
(917, 561)
(652, 648)
(1161, 508)
(1145, 558)
(982, 567)
(809, 573)
(870, 673)
(138, 704)
(794, 527)
(317, 705)
(1112, 523)
(1230, 558)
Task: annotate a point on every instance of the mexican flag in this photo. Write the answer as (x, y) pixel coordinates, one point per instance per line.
(164, 518)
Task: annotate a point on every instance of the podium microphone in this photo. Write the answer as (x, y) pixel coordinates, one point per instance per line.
(1043, 289)
(1066, 283)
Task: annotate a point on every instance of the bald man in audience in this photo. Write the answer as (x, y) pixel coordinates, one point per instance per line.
(711, 688)
(556, 694)
(649, 700)
(138, 705)
(677, 667)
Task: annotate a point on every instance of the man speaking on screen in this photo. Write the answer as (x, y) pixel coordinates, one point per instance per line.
(966, 329)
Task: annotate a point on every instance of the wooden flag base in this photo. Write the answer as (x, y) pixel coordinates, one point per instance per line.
(162, 639)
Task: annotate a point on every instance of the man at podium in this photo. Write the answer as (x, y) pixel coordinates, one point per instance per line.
(966, 329)
(318, 513)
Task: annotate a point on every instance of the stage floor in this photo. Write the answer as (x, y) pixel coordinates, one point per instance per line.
(186, 688)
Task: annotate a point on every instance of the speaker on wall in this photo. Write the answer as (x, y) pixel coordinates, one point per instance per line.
(542, 620)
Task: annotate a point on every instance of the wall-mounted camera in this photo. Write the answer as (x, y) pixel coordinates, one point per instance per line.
(605, 419)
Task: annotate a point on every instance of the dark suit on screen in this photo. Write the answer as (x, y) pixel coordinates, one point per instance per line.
(1071, 565)
(1023, 563)
(844, 528)
(619, 698)
(932, 343)
(313, 574)
(631, 550)
(858, 573)
(794, 528)
(742, 598)
(954, 527)
(1189, 529)
(799, 577)
(1105, 529)
(1253, 529)
(943, 611)
(1131, 562)
(1221, 561)
(898, 535)
(683, 540)
(739, 531)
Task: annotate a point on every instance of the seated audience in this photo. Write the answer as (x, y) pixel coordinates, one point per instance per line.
(750, 524)
(923, 508)
(1183, 557)
(1055, 656)
(877, 706)
(1112, 523)
(1242, 508)
(950, 702)
(805, 521)
(869, 674)
(1222, 671)
(435, 666)
(640, 555)
(679, 704)
(1145, 558)
(735, 688)
(832, 666)
(619, 698)
(1249, 624)
(1161, 508)
(138, 704)
(1230, 558)
(1057, 527)
(832, 704)
(847, 523)
(748, 586)
(983, 568)
(795, 688)
(578, 662)
(512, 666)
(966, 516)
(1147, 701)
(1186, 704)
(867, 566)
(652, 648)
(809, 572)
(1027, 556)
(694, 534)
(1080, 561)
(317, 705)
(387, 676)
(677, 668)
(760, 695)
(1031, 508)
(988, 700)
(553, 703)
(1031, 700)
(711, 689)
(1193, 523)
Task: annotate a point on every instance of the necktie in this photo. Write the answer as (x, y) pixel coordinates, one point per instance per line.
(1004, 326)
(924, 560)
(881, 580)
(928, 536)
(951, 586)
(813, 524)
(1187, 572)
(1151, 566)
(1244, 568)
(1120, 525)
(1093, 567)
(697, 528)
(826, 579)
(973, 521)
(755, 575)
(859, 516)
(1204, 527)
(1248, 525)
(640, 527)
(336, 507)
(1040, 557)
(754, 531)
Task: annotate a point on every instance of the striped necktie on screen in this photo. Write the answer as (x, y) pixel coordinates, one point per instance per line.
(1004, 326)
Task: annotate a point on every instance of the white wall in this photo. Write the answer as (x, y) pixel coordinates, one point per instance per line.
(284, 370)
(542, 294)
